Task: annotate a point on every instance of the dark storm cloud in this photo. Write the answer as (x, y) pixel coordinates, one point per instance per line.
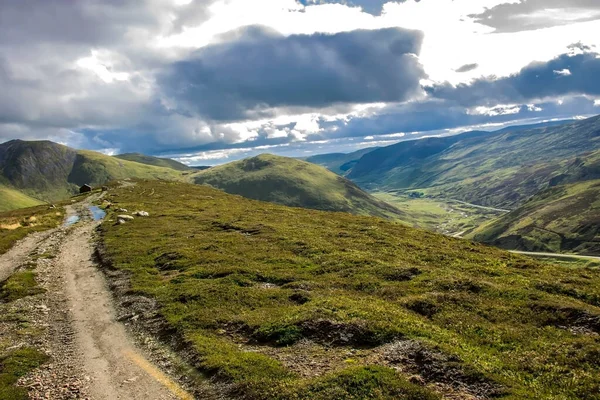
(536, 14)
(568, 74)
(73, 21)
(229, 81)
(468, 67)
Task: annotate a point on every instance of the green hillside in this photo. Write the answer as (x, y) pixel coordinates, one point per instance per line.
(11, 199)
(294, 183)
(560, 219)
(340, 163)
(156, 161)
(498, 169)
(49, 171)
(288, 303)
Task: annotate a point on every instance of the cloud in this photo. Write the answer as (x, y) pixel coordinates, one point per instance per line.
(568, 74)
(467, 68)
(264, 70)
(526, 15)
(370, 6)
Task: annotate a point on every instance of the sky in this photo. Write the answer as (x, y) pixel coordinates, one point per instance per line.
(212, 81)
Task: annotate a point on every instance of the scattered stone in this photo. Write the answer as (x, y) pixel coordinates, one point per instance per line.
(125, 217)
(121, 210)
(141, 214)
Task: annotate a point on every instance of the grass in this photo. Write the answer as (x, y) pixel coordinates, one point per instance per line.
(16, 224)
(11, 199)
(238, 279)
(560, 219)
(447, 217)
(15, 365)
(294, 183)
(20, 284)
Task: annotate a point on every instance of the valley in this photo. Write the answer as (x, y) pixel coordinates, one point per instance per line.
(448, 217)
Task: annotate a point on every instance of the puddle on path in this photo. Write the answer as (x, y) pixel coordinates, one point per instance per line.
(97, 213)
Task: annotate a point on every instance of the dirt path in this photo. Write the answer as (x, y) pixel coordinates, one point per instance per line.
(20, 252)
(92, 356)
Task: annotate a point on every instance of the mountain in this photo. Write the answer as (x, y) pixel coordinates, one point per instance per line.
(340, 163)
(498, 169)
(49, 171)
(156, 161)
(295, 183)
(564, 218)
(288, 303)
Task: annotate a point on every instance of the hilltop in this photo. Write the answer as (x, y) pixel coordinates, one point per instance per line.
(559, 219)
(156, 161)
(294, 183)
(288, 303)
(498, 169)
(48, 171)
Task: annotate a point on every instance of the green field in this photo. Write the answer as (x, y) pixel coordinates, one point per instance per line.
(288, 303)
(11, 199)
(446, 217)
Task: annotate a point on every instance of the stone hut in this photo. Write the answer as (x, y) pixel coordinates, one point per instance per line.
(85, 189)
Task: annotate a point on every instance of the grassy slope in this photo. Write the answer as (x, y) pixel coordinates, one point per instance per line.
(500, 169)
(49, 171)
(561, 219)
(295, 183)
(11, 199)
(156, 161)
(340, 163)
(229, 272)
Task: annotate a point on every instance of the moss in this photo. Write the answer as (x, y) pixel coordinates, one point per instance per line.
(19, 285)
(371, 382)
(13, 366)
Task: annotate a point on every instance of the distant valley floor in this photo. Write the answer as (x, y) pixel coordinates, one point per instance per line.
(446, 216)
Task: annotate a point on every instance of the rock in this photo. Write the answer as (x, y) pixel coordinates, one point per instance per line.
(121, 210)
(125, 217)
(120, 221)
(141, 214)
